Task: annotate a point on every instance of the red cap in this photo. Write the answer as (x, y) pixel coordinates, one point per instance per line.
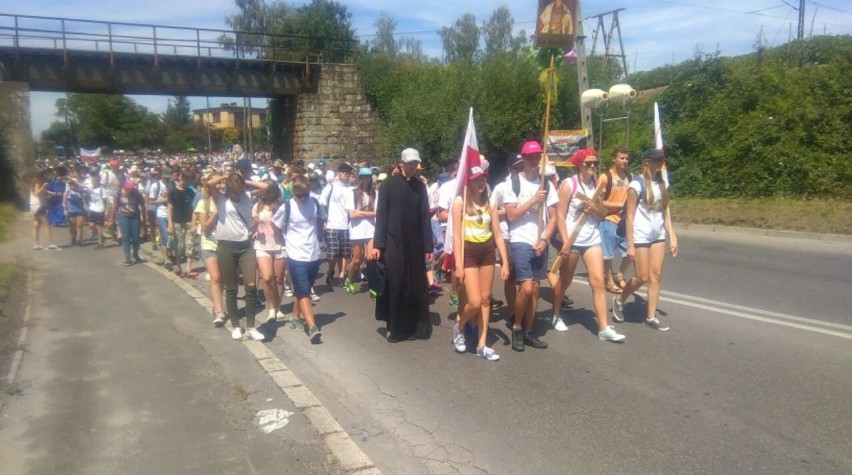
(581, 155)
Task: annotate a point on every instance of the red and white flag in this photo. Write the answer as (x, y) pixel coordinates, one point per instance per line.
(468, 158)
(90, 156)
(658, 140)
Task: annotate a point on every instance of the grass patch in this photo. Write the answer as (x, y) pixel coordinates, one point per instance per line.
(819, 216)
(8, 214)
(9, 271)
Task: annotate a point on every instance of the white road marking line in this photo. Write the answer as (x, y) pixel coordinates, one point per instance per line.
(807, 324)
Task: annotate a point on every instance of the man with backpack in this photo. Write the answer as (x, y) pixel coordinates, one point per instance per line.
(615, 181)
(336, 201)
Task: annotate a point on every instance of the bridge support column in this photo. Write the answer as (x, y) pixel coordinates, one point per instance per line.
(16, 143)
(283, 121)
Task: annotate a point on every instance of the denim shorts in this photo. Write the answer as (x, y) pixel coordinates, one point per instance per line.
(163, 226)
(609, 240)
(527, 265)
(303, 274)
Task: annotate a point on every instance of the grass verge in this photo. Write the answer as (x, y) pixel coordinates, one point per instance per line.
(9, 272)
(818, 216)
(8, 213)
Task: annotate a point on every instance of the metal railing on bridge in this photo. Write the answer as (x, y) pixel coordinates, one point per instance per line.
(28, 33)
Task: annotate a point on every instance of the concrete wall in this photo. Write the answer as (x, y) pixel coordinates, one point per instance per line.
(16, 142)
(337, 122)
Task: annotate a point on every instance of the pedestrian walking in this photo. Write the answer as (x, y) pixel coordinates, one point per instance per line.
(615, 182)
(478, 239)
(181, 232)
(234, 251)
(269, 248)
(362, 225)
(206, 214)
(648, 225)
(338, 198)
(403, 243)
(38, 207)
(97, 208)
(129, 206)
(578, 212)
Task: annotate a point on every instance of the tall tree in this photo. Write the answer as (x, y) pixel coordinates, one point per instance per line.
(461, 40)
(384, 42)
(178, 112)
(497, 31)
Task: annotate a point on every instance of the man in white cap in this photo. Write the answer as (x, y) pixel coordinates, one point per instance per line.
(403, 243)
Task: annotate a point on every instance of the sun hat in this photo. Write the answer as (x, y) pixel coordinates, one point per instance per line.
(278, 163)
(410, 155)
(365, 171)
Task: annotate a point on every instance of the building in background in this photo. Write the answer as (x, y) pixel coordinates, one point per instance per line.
(229, 116)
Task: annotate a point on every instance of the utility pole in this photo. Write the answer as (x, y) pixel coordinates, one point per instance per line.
(801, 20)
(582, 71)
(606, 36)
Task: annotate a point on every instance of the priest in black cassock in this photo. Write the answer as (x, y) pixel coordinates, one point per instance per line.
(403, 243)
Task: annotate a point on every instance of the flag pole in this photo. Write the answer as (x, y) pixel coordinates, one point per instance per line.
(543, 162)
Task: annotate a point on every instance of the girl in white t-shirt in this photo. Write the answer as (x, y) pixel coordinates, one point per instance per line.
(362, 224)
(647, 225)
(269, 248)
(576, 212)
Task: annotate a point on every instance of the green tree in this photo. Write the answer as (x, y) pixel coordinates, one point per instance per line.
(497, 31)
(384, 42)
(178, 112)
(461, 40)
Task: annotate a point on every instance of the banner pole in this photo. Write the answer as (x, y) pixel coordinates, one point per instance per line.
(543, 161)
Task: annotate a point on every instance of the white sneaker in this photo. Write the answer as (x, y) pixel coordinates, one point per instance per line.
(288, 292)
(314, 297)
(558, 324)
(487, 353)
(279, 315)
(617, 309)
(270, 315)
(218, 319)
(237, 333)
(255, 335)
(609, 334)
(458, 339)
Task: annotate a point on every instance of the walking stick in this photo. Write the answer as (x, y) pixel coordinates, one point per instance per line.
(576, 231)
(543, 185)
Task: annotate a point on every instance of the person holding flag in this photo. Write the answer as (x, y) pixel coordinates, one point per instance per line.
(528, 241)
(477, 240)
(578, 214)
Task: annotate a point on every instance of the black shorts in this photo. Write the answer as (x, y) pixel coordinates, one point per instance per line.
(95, 217)
(41, 211)
(480, 254)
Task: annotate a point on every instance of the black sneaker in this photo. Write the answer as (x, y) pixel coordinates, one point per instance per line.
(495, 304)
(329, 280)
(169, 267)
(534, 342)
(517, 340)
(128, 263)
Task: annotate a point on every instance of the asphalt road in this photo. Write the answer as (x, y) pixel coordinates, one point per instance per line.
(753, 378)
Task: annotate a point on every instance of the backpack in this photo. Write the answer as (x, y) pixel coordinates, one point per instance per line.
(620, 229)
(319, 212)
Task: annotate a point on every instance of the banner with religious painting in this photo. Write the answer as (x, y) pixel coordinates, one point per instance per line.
(555, 24)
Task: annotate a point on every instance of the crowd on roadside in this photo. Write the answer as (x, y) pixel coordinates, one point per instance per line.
(381, 234)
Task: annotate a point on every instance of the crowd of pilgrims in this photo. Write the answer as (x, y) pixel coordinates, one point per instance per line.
(381, 233)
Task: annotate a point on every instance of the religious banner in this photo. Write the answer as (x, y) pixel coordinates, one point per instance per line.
(555, 24)
(561, 144)
(90, 156)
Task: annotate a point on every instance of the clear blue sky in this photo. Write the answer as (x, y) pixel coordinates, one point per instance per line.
(655, 32)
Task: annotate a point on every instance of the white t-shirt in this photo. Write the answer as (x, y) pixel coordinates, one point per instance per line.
(498, 200)
(648, 222)
(234, 218)
(302, 238)
(340, 199)
(159, 191)
(361, 228)
(97, 195)
(525, 228)
(588, 234)
(434, 194)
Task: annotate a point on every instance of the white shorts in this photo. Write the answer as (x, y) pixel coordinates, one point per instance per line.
(649, 236)
(280, 254)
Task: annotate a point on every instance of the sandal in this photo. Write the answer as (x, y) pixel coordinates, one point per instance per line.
(612, 288)
(619, 280)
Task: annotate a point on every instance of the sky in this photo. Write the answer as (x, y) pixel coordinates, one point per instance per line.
(654, 32)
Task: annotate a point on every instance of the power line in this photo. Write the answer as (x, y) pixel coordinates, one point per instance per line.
(829, 8)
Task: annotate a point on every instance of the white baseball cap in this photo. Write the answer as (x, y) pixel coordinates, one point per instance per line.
(410, 155)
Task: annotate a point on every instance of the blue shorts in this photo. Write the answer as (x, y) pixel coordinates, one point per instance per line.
(303, 275)
(609, 241)
(527, 265)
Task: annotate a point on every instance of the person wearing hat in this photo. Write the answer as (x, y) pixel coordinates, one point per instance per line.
(403, 244)
(648, 224)
(528, 242)
(277, 171)
(477, 241)
(362, 224)
(338, 197)
(575, 198)
(244, 167)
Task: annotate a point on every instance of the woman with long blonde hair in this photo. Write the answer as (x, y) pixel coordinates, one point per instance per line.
(648, 225)
(479, 239)
(206, 215)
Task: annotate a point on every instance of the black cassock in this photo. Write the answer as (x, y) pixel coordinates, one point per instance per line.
(404, 235)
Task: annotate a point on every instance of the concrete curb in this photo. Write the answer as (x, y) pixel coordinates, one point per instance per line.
(18, 357)
(778, 233)
(344, 450)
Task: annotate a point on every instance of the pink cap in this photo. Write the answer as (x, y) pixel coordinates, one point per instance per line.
(129, 185)
(531, 148)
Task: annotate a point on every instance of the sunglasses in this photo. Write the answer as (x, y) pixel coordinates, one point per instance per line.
(590, 164)
(479, 216)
